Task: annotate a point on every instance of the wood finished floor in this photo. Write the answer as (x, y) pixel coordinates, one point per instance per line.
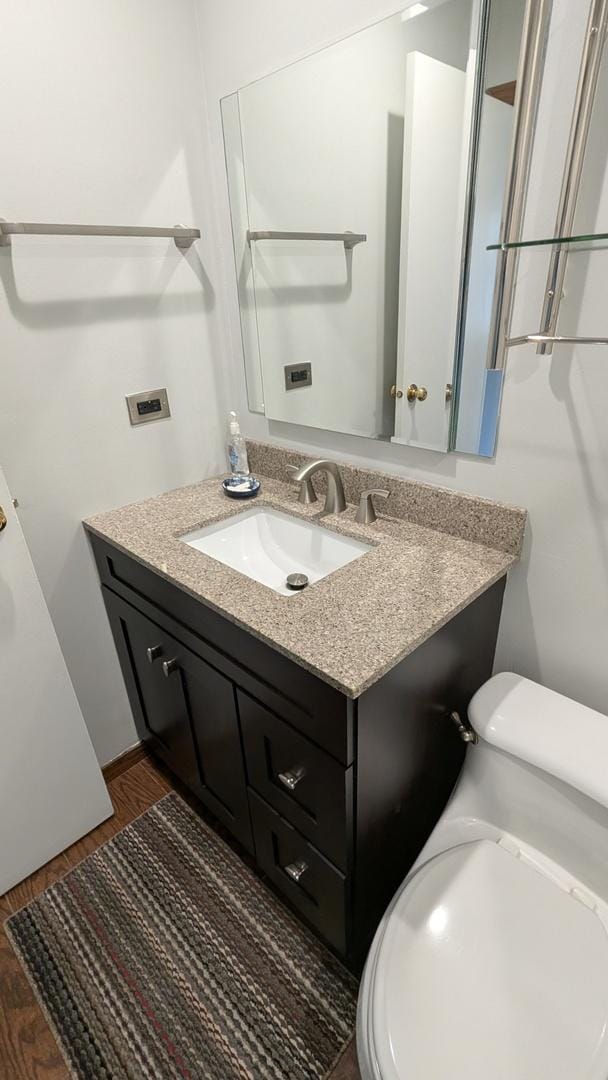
(28, 1050)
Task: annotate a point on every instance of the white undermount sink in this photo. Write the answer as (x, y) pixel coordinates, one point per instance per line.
(267, 545)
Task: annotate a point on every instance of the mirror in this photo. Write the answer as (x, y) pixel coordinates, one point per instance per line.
(366, 182)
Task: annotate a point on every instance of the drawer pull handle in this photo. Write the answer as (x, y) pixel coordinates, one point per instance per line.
(291, 779)
(153, 653)
(296, 869)
(169, 666)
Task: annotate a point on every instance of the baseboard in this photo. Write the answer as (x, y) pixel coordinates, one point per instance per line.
(124, 761)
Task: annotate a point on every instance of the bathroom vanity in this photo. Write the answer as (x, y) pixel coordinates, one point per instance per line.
(316, 726)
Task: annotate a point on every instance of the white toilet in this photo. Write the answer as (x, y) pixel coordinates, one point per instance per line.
(491, 962)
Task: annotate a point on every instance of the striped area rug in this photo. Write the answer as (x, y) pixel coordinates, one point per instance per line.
(161, 955)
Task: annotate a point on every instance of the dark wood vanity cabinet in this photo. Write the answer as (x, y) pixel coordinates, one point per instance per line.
(185, 711)
(334, 797)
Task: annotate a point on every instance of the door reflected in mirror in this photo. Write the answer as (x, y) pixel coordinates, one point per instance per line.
(366, 182)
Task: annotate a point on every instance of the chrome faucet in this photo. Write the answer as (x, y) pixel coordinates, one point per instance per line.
(335, 502)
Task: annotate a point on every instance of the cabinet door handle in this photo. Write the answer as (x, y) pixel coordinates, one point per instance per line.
(154, 652)
(169, 666)
(292, 778)
(296, 869)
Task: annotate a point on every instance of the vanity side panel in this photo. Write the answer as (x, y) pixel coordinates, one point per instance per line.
(409, 755)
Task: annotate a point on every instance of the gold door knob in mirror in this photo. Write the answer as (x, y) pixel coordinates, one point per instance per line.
(416, 393)
(2, 519)
(395, 393)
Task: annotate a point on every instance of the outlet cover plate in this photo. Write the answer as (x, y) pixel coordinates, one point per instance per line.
(148, 405)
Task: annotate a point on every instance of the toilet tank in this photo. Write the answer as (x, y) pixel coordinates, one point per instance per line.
(546, 730)
(540, 773)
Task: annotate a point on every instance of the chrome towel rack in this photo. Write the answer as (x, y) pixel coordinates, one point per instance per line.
(183, 235)
(555, 339)
(560, 243)
(575, 155)
(349, 239)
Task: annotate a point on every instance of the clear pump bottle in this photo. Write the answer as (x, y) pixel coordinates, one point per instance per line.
(238, 462)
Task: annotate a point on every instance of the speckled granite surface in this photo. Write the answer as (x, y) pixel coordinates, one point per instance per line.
(351, 627)
(467, 516)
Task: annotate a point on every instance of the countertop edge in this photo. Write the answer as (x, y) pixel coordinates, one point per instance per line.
(426, 635)
(351, 691)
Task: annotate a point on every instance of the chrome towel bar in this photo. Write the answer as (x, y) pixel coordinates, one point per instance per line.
(595, 40)
(529, 78)
(349, 239)
(182, 234)
(555, 339)
(546, 338)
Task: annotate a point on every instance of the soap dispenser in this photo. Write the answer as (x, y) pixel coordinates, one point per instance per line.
(240, 484)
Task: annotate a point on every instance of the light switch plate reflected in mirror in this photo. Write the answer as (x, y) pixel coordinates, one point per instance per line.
(297, 376)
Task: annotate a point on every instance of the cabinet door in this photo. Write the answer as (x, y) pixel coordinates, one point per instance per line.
(211, 703)
(157, 701)
(185, 711)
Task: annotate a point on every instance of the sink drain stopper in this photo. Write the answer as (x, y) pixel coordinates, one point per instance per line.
(296, 581)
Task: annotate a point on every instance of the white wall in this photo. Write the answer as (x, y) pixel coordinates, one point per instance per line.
(101, 115)
(553, 441)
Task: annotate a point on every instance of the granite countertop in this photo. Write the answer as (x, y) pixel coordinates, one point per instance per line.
(350, 627)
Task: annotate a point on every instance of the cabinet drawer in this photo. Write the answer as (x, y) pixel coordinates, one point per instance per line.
(312, 885)
(302, 782)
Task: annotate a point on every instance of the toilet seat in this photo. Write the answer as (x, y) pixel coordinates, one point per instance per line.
(487, 968)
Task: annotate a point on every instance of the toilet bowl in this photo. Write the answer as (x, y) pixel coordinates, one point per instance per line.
(492, 959)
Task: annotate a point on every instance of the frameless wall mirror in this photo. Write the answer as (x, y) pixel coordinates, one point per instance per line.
(366, 182)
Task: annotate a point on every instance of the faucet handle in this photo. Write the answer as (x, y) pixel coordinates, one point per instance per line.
(366, 513)
(307, 492)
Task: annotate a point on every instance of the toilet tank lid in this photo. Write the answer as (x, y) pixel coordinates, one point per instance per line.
(546, 729)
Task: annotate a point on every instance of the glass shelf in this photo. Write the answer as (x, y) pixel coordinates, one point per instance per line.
(574, 243)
